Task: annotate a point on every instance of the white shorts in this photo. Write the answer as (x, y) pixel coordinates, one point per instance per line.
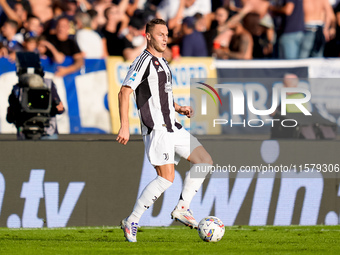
(164, 148)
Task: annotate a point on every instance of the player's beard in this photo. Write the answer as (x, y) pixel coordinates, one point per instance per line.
(159, 48)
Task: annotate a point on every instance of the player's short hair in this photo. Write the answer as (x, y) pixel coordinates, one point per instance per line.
(152, 23)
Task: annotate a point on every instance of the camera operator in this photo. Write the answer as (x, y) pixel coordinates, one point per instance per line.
(34, 101)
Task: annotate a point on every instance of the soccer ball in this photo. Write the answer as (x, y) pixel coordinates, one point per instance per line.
(211, 229)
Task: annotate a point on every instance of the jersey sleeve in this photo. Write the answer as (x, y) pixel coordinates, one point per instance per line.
(137, 71)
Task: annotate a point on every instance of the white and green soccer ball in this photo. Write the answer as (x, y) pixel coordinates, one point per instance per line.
(211, 229)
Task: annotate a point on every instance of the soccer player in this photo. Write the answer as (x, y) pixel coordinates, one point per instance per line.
(165, 140)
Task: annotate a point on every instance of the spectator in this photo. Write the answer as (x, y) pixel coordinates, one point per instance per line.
(89, 41)
(200, 23)
(217, 26)
(94, 19)
(332, 49)
(219, 3)
(32, 27)
(227, 30)
(12, 40)
(101, 5)
(262, 31)
(67, 47)
(265, 33)
(148, 6)
(58, 9)
(70, 12)
(134, 41)
(18, 14)
(267, 36)
(134, 5)
(193, 43)
(42, 9)
(22, 9)
(293, 26)
(112, 30)
(141, 5)
(67, 9)
(174, 11)
(84, 5)
(71, 9)
(45, 48)
(221, 17)
(260, 7)
(238, 44)
(31, 44)
(319, 27)
(94, 25)
(233, 5)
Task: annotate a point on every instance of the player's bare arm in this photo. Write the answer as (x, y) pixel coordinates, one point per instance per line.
(184, 110)
(124, 99)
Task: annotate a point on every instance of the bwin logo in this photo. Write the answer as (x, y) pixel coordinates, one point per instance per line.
(166, 156)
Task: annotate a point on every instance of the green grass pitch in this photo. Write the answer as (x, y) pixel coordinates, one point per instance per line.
(171, 240)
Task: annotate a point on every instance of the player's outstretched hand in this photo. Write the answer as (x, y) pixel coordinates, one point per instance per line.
(123, 136)
(186, 110)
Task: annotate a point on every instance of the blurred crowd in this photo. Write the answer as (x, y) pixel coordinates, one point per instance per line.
(225, 29)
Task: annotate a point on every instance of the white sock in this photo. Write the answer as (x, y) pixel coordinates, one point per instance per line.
(192, 183)
(149, 195)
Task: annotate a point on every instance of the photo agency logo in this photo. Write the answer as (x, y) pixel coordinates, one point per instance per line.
(204, 97)
(245, 100)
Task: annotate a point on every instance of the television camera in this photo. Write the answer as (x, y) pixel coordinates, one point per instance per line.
(31, 99)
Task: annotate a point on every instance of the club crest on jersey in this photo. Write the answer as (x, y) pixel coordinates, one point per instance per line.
(156, 63)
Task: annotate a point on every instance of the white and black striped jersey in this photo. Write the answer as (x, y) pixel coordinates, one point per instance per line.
(151, 79)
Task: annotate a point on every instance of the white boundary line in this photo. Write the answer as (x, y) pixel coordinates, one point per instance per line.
(228, 228)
